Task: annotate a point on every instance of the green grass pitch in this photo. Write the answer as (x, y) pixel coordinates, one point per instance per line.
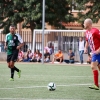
(71, 81)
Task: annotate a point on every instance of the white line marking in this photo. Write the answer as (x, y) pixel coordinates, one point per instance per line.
(6, 88)
(48, 75)
(34, 99)
(46, 86)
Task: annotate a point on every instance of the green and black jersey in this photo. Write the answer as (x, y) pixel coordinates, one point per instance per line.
(12, 42)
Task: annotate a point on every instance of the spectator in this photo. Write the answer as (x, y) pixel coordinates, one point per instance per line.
(47, 48)
(20, 55)
(89, 59)
(36, 57)
(81, 49)
(51, 48)
(58, 57)
(71, 57)
(28, 56)
(46, 56)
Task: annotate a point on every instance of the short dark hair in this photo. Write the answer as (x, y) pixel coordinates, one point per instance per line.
(70, 48)
(59, 49)
(12, 25)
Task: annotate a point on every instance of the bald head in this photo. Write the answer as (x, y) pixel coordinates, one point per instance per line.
(88, 20)
(87, 23)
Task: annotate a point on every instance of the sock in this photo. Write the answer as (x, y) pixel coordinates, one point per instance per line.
(95, 73)
(16, 69)
(12, 72)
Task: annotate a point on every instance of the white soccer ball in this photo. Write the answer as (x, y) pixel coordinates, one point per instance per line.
(51, 86)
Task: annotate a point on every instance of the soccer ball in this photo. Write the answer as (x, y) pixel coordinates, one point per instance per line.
(51, 86)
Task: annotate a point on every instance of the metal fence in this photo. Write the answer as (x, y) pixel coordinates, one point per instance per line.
(55, 40)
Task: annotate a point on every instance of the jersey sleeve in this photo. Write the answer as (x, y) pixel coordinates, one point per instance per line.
(19, 38)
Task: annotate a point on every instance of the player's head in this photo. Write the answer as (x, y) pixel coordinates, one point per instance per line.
(12, 29)
(87, 23)
(70, 50)
(81, 38)
(59, 50)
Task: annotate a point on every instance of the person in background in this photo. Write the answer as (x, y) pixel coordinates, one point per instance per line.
(46, 56)
(28, 56)
(81, 49)
(20, 56)
(71, 57)
(47, 48)
(58, 57)
(37, 56)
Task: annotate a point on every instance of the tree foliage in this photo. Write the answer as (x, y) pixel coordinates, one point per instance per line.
(30, 13)
(88, 9)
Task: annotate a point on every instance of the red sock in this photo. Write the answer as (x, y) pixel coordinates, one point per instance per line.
(95, 73)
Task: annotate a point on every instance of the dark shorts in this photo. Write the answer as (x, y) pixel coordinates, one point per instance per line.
(13, 57)
(59, 60)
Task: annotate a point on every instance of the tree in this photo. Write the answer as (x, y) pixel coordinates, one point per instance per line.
(91, 9)
(9, 14)
(30, 13)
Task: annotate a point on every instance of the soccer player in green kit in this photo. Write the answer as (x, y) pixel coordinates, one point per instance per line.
(13, 42)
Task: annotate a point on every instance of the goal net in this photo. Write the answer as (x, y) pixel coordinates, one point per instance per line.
(57, 39)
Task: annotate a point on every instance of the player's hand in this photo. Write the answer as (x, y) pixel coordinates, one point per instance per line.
(97, 51)
(18, 47)
(85, 50)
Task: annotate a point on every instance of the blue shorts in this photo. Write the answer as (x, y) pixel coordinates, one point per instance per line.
(96, 58)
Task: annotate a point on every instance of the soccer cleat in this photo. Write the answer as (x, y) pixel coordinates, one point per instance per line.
(11, 79)
(94, 87)
(19, 73)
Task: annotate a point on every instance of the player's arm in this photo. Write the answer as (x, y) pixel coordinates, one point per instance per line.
(73, 57)
(21, 42)
(86, 44)
(5, 45)
(61, 56)
(97, 34)
(20, 45)
(86, 47)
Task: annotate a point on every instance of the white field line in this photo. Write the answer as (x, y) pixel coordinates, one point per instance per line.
(76, 64)
(34, 99)
(51, 75)
(30, 87)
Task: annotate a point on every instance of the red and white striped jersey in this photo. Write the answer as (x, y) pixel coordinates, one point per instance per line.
(93, 38)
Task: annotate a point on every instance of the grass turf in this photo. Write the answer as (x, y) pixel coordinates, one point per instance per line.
(71, 81)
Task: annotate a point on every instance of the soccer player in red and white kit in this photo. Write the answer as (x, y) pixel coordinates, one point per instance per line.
(93, 40)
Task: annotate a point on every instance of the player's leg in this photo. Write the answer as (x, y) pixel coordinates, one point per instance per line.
(99, 67)
(95, 72)
(94, 67)
(12, 71)
(12, 63)
(61, 59)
